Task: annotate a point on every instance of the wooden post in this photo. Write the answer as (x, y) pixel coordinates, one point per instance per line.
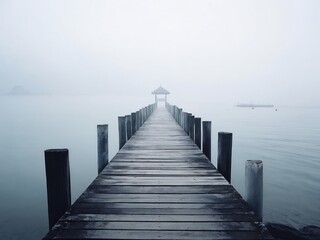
(144, 114)
(128, 125)
(224, 154)
(103, 150)
(188, 123)
(191, 127)
(122, 131)
(58, 183)
(137, 120)
(206, 138)
(148, 111)
(176, 115)
(185, 122)
(197, 128)
(254, 186)
(140, 118)
(133, 123)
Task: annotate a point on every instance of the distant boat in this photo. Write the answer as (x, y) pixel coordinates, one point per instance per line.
(255, 105)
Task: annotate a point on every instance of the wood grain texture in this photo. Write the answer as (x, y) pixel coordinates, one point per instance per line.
(159, 186)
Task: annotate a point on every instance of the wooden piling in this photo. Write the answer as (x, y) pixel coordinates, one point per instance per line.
(197, 130)
(225, 154)
(184, 121)
(254, 186)
(122, 131)
(206, 138)
(191, 127)
(58, 183)
(128, 126)
(137, 120)
(133, 123)
(103, 150)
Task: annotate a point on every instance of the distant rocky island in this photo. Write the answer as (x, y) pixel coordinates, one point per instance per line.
(254, 105)
(18, 91)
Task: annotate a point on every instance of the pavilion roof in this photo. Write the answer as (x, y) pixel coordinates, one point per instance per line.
(160, 90)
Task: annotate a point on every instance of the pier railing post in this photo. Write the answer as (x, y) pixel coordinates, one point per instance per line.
(128, 126)
(133, 123)
(58, 183)
(176, 113)
(225, 154)
(137, 120)
(122, 131)
(191, 127)
(254, 186)
(103, 150)
(206, 138)
(141, 118)
(197, 130)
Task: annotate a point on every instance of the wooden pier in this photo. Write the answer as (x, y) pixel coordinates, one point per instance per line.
(159, 186)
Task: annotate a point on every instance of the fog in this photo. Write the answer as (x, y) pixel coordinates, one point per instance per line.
(220, 51)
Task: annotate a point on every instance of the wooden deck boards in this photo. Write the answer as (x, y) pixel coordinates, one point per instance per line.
(159, 186)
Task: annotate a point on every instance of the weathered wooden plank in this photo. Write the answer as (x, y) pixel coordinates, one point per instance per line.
(159, 182)
(158, 218)
(136, 234)
(161, 189)
(238, 204)
(161, 199)
(164, 226)
(96, 208)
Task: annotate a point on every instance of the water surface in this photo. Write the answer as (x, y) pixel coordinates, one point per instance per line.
(287, 140)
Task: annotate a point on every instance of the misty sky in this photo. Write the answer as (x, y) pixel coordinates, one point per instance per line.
(235, 51)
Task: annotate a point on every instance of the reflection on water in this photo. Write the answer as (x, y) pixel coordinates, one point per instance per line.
(286, 140)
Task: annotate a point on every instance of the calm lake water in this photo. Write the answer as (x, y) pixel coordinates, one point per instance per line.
(287, 140)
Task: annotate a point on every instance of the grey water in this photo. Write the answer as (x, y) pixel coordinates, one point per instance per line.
(287, 140)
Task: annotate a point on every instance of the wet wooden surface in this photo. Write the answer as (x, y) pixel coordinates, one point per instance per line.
(159, 186)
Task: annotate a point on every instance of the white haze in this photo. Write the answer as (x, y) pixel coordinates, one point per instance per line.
(261, 51)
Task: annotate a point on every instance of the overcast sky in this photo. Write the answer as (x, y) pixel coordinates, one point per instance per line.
(237, 51)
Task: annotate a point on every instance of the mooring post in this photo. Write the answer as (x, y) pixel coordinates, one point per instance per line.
(58, 183)
(179, 117)
(137, 120)
(122, 131)
(129, 126)
(206, 138)
(148, 111)
(225, 154)
(197, 130)
(174, 112)
(177, 114)
(133, 123)
(103, 150)
(254, 186)
(191, 127)
(145, 114)
(141, 118)
(186, 122)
